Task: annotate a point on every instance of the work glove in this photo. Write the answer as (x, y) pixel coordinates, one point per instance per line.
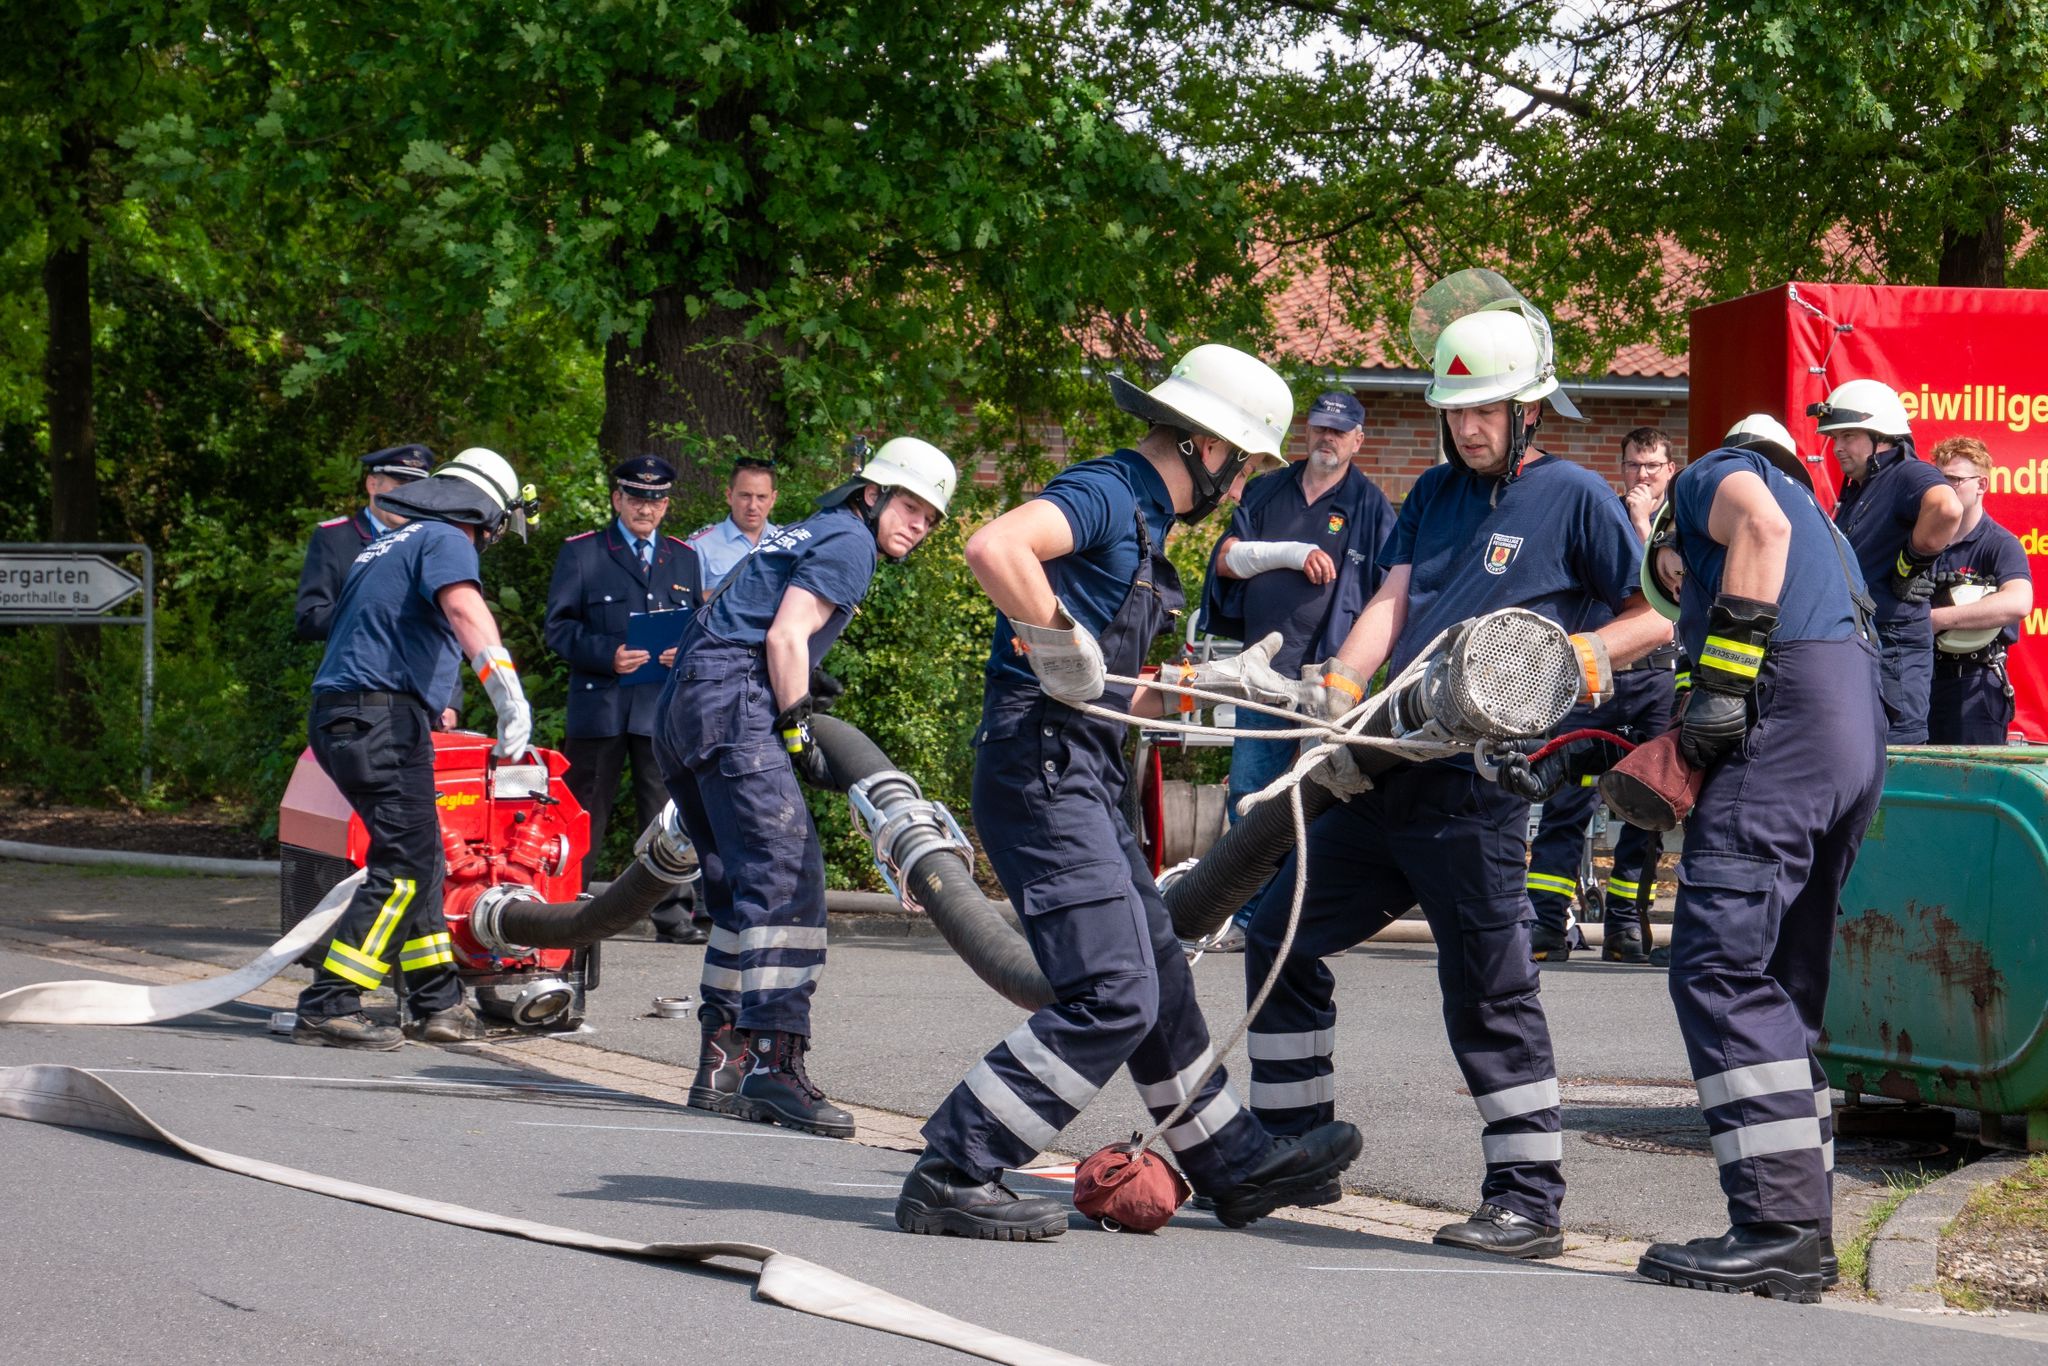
(1912, 576)
(1064, 656)
(1717, 712)
(825, 690)
(1569, 765)
(1249, 675)
(494, 669)
(1340, 774)
(1330, 689)
(1596, 670)
(794, 726)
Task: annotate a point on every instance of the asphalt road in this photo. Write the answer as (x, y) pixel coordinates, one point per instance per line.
(117, 1250)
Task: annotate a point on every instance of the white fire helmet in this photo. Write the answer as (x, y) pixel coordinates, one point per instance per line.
(1218, 391)
(1957, 640)
(1764, 434)
(915, 466)
(1865, 405)
(1485, 344)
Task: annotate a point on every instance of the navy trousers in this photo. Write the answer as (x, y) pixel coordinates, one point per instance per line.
(1443, 837)
(1907, 669)
(1767, 849)
(377, 747)
(1642, 702)
(1968, 706)
(1045, 785)
(764, 872)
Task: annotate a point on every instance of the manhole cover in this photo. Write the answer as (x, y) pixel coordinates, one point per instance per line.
(1692, 1141)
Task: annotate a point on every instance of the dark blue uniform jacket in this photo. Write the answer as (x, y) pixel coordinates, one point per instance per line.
(598, 583)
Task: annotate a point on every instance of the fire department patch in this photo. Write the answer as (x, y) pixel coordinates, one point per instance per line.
(1500, 552)
(1336, 523)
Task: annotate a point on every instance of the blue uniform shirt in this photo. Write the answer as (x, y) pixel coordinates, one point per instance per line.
(1101, 500)
(1990, 552)
(1877, 516)
(1815, 603)
(722, 545)
(389, 634)
(1555, 541)
(831, 555)
(1349, 523)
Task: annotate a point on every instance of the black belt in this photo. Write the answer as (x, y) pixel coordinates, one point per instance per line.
(364, 699)
(1956, 668)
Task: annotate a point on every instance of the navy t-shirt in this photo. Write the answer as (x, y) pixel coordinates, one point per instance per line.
(1814, 604)
(1101, 500)
(1556, 541)
(1989, 552)
(389, 635)
(831, 554)
(1349, 523)
(1877, 516)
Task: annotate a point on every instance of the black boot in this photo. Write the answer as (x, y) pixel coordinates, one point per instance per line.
(1660, 957)
(1294, 1171)
(722, 1060)
(777, 1089)
(1830, 1267)
(1623, 943)
(1504, 1233)
(1549, 944)
(940, 1198)
(1779, 1261)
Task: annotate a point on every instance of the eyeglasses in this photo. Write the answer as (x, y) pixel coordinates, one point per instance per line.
(1961, 479)
(1645, 466)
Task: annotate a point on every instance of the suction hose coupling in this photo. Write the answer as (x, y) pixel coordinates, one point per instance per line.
(892, 815)
(487, 918)
(666, 851)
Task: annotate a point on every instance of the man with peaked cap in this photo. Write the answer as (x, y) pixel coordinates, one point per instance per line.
(338, 541)
(602, 579)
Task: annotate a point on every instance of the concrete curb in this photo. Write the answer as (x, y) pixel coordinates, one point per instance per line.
(173, 863)
(1903, 1271)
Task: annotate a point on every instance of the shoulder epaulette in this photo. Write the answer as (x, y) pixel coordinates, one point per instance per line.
(579, 536)
(700, 531)
(338, 521)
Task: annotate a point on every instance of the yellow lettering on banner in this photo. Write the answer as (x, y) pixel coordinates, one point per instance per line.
(2037, 622)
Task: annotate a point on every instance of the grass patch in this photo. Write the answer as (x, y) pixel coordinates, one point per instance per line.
(2012, 1204)
(1992, 1252)
(1854, 1254)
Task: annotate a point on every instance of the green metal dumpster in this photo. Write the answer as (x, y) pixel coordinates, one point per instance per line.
(1940, 986)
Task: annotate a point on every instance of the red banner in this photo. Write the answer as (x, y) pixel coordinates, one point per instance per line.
(1965, 362)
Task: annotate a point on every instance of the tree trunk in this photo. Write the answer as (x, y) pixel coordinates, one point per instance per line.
(67, 387)
(1974, 257)
(695, 391)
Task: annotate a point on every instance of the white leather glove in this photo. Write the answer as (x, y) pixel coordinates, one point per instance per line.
(1596, 671)
(1340, 774)
(1065, 657)
(493, 665)
(1247, 676)
(1248, 559)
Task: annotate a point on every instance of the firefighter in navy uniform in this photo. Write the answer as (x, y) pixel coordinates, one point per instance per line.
(1499, 524)
(1898, 514)
(337, 542)
(1786, 719)
(1640, 708)
(1983, 591)
(734, 740)
(409, 612)
(602, 578)
(1082, 585)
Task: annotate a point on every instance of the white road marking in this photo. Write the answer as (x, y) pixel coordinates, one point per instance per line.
(1460, 1271)
(868, 1185)
(750, 1132)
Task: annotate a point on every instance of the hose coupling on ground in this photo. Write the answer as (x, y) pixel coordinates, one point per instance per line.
(892, 815)
(666, 850)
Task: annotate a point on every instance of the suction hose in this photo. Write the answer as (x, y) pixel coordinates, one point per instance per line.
(928, 864)
(511, 919)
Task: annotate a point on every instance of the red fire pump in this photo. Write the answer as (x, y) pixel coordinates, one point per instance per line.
(502, 825)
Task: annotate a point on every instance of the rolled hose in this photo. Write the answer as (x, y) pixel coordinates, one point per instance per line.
(931, 869)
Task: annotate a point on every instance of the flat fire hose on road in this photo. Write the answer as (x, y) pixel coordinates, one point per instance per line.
(74, 1099)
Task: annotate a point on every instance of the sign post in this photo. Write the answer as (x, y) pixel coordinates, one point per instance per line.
(73, 583)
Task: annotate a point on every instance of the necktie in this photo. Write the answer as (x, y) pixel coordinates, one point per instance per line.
(641, 549)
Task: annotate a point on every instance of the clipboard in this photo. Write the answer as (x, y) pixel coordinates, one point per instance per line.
(653, 632)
